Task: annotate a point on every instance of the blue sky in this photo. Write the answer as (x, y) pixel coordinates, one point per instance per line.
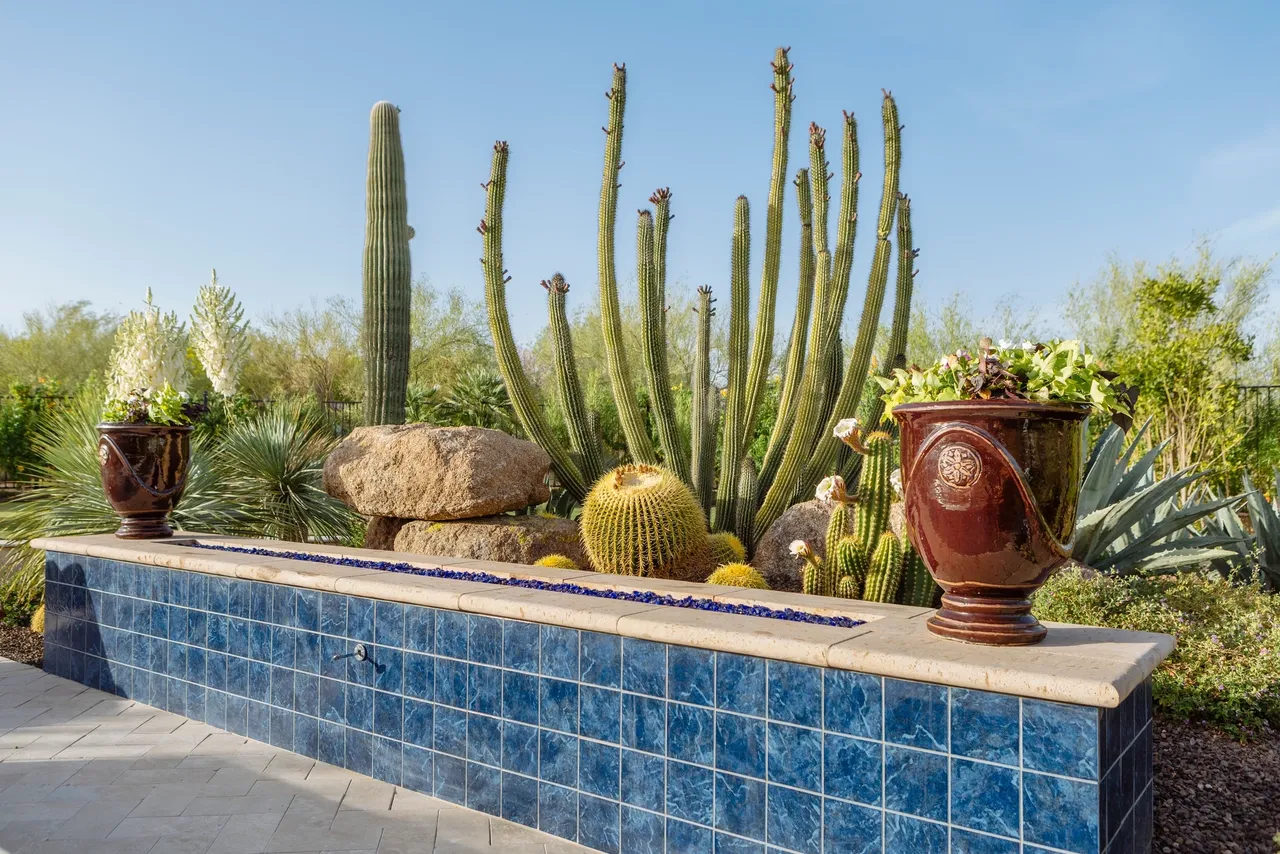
(144, 143)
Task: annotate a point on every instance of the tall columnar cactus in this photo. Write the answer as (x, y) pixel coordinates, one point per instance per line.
(386, 271)
(875, 493)
(739, 328)
(582, 437)
(885, 573)
(651, 270)
(851, 565)
(748, 497)
(918, 586)
(702, 415)
(642, 520)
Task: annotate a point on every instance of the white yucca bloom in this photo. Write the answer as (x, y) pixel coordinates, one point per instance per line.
(218, 336)
(150, 352)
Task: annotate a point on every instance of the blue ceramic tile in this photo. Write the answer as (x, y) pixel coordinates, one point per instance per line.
(239, 605)
(197, 597)
(238, 637)
(558, 758)
(601, 659)
(308, 646)
(261, 601)
(308, 616)
(333, 657)
(852, 703)
(598, 824)
(196, 665)
(216, 707)
(520, 799)
(217, 632)
(485, 643)
(520, 645)
(451, 779)
(361, 672)
(416, 768)
(795, 756)
(985, 797)
(388, 715)
(1059, 813)
(359, 752)
(690, 733)
(984, 725)
(915, 714)
(852, 769)
(794, 693)
(599, 766)
(690, 792)
(451, 634)
(915, 782)
(450, 731)
(386, 761)
(1060, 738)
(520, 697)
(388, 624)
(642, 832)
(726, 844)
(740, 684)
(197, 628)
(601, 711)
(360, 707)
(643, 780)
(484, 739)
(851, 828)
(559, 652)
(259, 725)
(284, 601)
(484, 789)
(520, 748)
(282, 687)
(333, 700)
(419, 676)
(259, 642)
(360, 619)
(177, 625)
(195, 705)
(178, 584)
(644, 667)
(644, 722)
(903, 835)
(451, 682)
(388, 669)
(558, 811)
(419, 628)
(306, 693)
(682, 836)
(237, 676)
(282, 647)
(484, 689)
(159, 621)
(795, 820)
(558, 701)
(740, 806)
(740, 744)
(691, 675)
(965, 842)
(259, 680)
(333, 614)
(332, 742)
(417, 723)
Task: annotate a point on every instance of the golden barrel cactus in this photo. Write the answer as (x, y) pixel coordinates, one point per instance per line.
(738, 575)
(641, 519)
(557, 562)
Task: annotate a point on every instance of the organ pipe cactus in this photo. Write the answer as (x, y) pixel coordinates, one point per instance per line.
(885, 572)
(702, 415)
(651, 270)
(386, 271)
(582, 436)
(739, 329)
(851, 564)
(918, 586)
(875, 493)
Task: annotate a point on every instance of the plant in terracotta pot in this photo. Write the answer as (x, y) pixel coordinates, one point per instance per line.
(144, 437)
(991, 460)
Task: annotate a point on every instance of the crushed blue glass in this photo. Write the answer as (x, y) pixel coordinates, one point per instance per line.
(646, 597)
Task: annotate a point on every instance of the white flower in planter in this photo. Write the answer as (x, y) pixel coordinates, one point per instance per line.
(218, 336)
(150, 353)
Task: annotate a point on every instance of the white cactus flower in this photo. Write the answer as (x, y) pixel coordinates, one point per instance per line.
(800, 549)
(895, 480)
(845, 428)
(218, 336)
(830, 489)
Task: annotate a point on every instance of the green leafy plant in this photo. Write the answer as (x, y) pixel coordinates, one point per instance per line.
(20, 413)
(1057, 371)
(1224, 669)
(1264, 518)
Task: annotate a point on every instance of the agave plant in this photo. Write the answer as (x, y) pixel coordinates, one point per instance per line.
(1130, 522)
(1264, 517)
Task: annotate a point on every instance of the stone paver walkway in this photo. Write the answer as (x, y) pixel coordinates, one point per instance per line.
(83, 772)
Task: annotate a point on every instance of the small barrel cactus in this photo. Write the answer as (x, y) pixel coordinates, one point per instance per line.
(641, 519)
(724, 547)
(738, 575)
(885, 572)
(557, 561)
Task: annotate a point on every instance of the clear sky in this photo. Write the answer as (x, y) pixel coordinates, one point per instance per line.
(141, 144)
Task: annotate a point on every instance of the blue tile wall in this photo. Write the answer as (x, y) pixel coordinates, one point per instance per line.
(623, 745)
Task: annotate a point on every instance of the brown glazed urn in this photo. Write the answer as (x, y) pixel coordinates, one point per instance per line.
(144, 470)
(990, 493)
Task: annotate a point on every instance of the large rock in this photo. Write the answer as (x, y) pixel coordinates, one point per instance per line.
(381, 532)
(510, 539)
(414, 471)
(773, 558)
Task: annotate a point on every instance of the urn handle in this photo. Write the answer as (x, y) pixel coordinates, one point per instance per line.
(107, 445)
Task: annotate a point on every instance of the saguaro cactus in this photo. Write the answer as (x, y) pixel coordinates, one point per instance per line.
(386, 271)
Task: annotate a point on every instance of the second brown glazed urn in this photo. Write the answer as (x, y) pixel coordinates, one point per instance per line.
(144, 472)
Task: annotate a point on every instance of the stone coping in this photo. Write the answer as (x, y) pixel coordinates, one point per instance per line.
(1075, 664)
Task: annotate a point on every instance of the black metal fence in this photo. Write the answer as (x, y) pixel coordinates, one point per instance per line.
(1260, 409)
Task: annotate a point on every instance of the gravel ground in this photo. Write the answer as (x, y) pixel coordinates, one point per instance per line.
(19, 644)
(1214, 794)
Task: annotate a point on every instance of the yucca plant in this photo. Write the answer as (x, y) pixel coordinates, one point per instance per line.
(1129, 522)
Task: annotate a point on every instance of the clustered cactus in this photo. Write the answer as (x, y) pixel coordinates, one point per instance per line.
(818, 387)
(865, 560)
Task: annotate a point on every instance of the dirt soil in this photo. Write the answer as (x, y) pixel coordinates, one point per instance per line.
(1214, 794)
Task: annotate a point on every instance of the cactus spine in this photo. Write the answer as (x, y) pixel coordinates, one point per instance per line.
(918, 586)
(633, 426)
(875, 493)
(651, 266)
(885, 572)
(527, 407)
(582, 438)
(739, 327)
(738, 575)
(386, 271)
(702, 416)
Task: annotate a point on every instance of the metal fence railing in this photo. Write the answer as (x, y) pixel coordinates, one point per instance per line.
(1260, 410)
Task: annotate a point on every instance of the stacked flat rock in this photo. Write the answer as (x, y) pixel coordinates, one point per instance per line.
(441, 491)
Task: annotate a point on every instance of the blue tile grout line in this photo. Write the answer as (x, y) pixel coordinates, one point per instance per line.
(697, 603)
(619, 788)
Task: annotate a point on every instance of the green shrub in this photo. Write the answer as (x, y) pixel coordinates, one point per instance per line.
(1224, 670)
